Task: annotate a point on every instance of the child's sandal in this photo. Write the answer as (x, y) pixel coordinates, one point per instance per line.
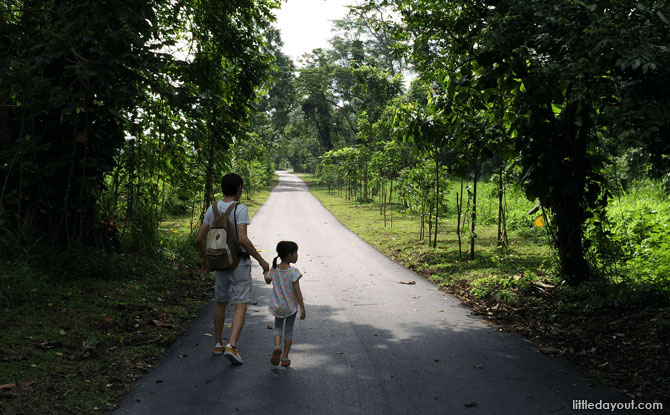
(285, 361)
(276, 355)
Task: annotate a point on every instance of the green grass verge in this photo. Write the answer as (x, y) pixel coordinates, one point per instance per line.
(492, 272)
(75, 338)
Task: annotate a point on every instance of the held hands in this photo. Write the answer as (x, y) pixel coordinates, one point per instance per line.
(264, 265)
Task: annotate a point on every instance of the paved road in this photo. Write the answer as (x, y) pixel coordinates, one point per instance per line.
(369, 345)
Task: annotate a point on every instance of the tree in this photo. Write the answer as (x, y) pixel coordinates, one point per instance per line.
(80, 103)
(559, 63)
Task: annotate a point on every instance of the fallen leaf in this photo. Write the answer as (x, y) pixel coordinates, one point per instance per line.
(408, 282)
(62, 332)
(208, 334)
(550, 350)
(470, 405)
(15, 389)
(161, 324)
(269, 327)
(107, 320)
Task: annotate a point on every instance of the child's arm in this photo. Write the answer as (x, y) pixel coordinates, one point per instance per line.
(298, 295)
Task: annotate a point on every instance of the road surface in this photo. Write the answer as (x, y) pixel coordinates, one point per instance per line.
(369, 345)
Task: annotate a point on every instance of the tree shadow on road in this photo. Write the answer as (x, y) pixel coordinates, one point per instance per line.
(341, 366)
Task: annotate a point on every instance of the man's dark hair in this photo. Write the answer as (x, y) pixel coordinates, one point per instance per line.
(230, 183)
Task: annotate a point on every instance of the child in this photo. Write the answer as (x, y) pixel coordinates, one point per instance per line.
(286, 297)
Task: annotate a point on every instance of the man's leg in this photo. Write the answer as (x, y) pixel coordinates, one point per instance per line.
(219, 320)
(240, 290)
(238, 322)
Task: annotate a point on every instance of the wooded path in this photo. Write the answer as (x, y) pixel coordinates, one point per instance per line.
(369, 345)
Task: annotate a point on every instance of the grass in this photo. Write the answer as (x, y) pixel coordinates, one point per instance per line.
(76, 337)
(399, 240)
(614, 328)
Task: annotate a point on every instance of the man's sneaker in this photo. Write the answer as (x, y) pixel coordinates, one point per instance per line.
(218, 348)
(276, 355)
(233, 355)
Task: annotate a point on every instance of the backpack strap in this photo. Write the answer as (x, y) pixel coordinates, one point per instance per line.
(215, 209)
(231, 207)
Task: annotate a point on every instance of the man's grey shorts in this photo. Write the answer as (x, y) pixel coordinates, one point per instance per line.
(234, 286)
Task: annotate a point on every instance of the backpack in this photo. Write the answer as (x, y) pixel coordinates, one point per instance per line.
(222, 248)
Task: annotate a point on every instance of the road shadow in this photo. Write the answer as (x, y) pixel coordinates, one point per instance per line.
(341, 366)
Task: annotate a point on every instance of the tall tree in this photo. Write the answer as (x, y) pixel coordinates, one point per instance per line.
(564, 62)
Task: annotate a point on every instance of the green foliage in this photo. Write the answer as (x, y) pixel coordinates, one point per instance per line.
(551, 81)
(630, 243)
(101, 125)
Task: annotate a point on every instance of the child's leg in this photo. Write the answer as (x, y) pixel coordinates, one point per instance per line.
(279, 328)
(287, 347)
(276, 353)
(288, 334)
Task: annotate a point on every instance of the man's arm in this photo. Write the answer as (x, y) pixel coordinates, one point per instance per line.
(249, 246)
(200, 239)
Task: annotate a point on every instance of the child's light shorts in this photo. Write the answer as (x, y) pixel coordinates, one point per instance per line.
(234, 286)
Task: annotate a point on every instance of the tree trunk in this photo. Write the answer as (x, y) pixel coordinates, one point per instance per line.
(384, 199)
(569, 239)
(209, 180)
(430, 222)
(131, 185)
(365, 183)
(568, 208)
(437, 199)
(459, 206)
(458, 227)
(473, 235)
(5, 124)
(422, 220)
(502, 232)
(391, 201)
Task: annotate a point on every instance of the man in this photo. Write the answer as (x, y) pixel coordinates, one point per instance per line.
(234, 286)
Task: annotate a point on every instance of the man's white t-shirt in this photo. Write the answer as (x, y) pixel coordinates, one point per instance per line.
(241, 215)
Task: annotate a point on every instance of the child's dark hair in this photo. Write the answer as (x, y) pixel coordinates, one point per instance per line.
(230, 183)
(284, 249)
